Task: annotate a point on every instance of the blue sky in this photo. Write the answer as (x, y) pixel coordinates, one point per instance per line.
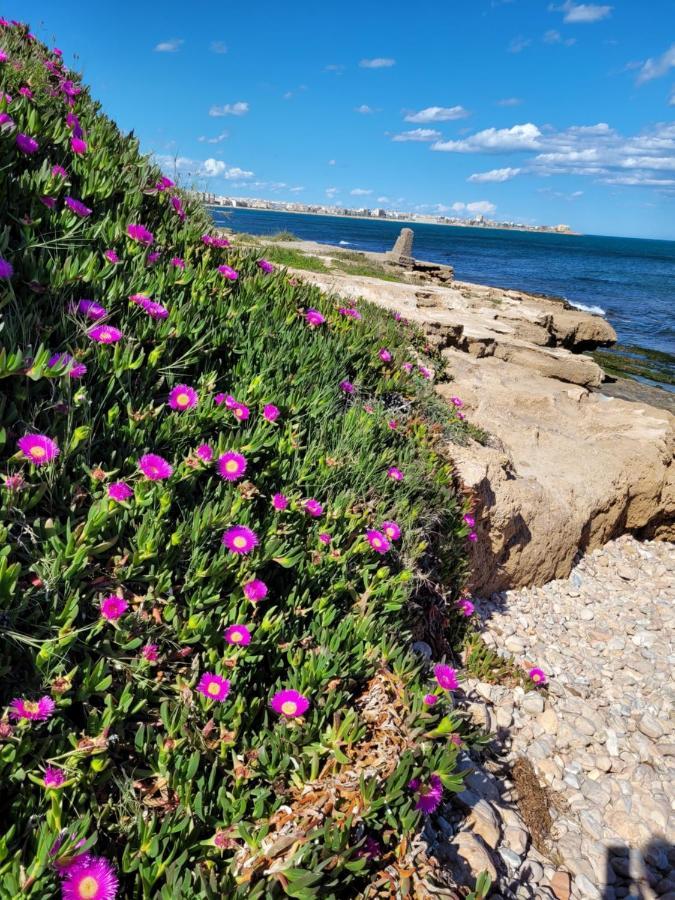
(532, 110)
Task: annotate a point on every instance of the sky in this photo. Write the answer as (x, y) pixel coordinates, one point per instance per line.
(528, 110)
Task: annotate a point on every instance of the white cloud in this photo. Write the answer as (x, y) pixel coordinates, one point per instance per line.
(379, 62)
(554, 37)
(240, 108)
(576, 13)
(437, 114)
(364, 109)
(213, 140)
(296, 190)
(656, 68)
(360, 192)
(495, 140)
(332, 191)
(494, 175)
(218, 47)
(640, 179)
(169, 46)
(509, 101)
(418, 134)
(208, 168)
(518, 43)
(383, 200)
(482, 207)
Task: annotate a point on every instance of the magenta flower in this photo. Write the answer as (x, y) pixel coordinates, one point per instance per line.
(457, 402)
(59, 172)
(473, 537)
(538, 676)
(240, 539)
(392, 530)
(271, 412)
(105, 334)
(395, 474)
(119, 491)
(6, 120)
(469, 519)
(33, 710)
(231, 465)
(228, 272)
(424, 372)
(26, 92)
(238, 634)
(178, 208)
(384, 355)
(73, 123)
(430, 699)
(150, 652)
(64, 864)
(241, 412)
(38, 448)
(64, 359)
(219, 399)
(350, 312)
(14, 482)
(212, 241)
(154, 467)
(78, 146)
(3, 56)
(183, 397)
(407, 367)
(325, 538)
(53, 778)
(446, 677)
(26, 144)
(164, 184)
(204, 452)
(313, 508)
(466, 607)
(314, 318)
(111, 256)
(280, 501)
(214, 687)
(77, 207)
(152, 258)
(177, 262)
(255, 590)
(153, 309)
(377, 540)
(265, 266)
(429, 795)
(94, 879)
(289, 703)
(91, 309)
(347, 387)
(113, 607)
(230, 402)
(6, 269)
(140, 234)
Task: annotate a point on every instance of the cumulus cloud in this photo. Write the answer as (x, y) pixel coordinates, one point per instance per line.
(518, 43)
(240, 108)
(656, 68)
(169, 46)
(364, 109)
(554, 37)
(418, 134)
(207, 168)
(478, 207)
(218, 47)
(437, 114)
(379, 62)
(213, 140)
(582, 12)
(360, 192)
(331, 192)
(495, 140)
(495, 175)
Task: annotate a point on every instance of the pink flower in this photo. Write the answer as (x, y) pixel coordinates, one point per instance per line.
(78, 146)
(458, 403)
(231, 465)
(154, 467)
(238, 634)
(446, 677)
(6, 269)
(466, 607)
(394, 473)
(469, 519)
(407, 367)
(350, 312)
(177, 262)
(265, 266)
(152, 258)
(241, 412)
(289, 703)
(53, 778)
(313, 508)
(59, 172)
(377, 540)
(347, 387)
(183, 397)
(14, 482)
(150, 652)
(113, 607)
(105, 334)
(33, 710)
(77, 207)
(38, 448)
(164, 184)
(255, 590)
(26, 92)
(393, 424)
(473, 537)
(228, 272)
(314, 318)
(64, 359)
(538, 676)
(91, 309)
(384, 355)
(219, 399)
(119, 491)
(26, 144)
(204, 452)
(49, 202)
(325, 538)
(178, 208)
(93, 879)
(140, 234)
(430, 699)
(111, 256)
(424, 372)
(271, 412)
(214, 687)
(239, 539)
(429, 795)
(212, 241)
(392, 530)
(280, 501)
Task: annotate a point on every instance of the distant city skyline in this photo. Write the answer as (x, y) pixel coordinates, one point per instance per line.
(519, 110)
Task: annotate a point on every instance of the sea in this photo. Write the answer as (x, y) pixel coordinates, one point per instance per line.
(630, 281)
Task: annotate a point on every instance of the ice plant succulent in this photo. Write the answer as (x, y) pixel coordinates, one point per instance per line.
(91, 879)
(214, 687)
(446, 677)
(255, 590)
(32, 710)
(228, 272)
(271, 412)
(77, 207)
(538, 676)
(26, 144)
(395, 473)
(314, 318)
(289, 703)
(237, 635)
(113, 607)
(429, 794)
(377, 540)
(53, 778)
(183, 397)
(231, 465)
(64, 359)
(313, 508)
(38, 448)
(154, 467)
(392, 530)
(119, 491)
(466, 607)
(140, 234)
(90, 309)
(239, 539)
(105, 334)
(280, 501)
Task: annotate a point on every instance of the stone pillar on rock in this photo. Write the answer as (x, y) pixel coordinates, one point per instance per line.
(402, 251)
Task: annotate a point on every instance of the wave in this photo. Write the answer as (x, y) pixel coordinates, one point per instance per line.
(345, 243)
(596, 310)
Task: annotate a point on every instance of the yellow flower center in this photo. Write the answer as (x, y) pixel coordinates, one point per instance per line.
(236, 636)
(239, 413)
(239, 541)
(289, 707)
(377, 542)
(38, 452)
(105, 335)
(88, 888)
(213, 689)
(31, 706)
(182, 399)
(231, 465)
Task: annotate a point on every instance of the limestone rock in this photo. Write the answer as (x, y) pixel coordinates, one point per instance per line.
(473, 851)
(560, 884)
(484, 822)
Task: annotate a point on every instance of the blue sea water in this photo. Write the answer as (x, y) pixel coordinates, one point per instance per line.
(628, 280)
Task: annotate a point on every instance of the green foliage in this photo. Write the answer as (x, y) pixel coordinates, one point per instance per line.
(286, 256)
(155, 772)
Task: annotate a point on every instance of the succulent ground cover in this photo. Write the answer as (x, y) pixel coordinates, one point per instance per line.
(223, 509)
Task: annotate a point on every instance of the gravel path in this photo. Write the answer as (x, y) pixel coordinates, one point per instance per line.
(600, 737)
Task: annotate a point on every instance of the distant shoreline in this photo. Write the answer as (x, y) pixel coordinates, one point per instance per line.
(403, 222)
